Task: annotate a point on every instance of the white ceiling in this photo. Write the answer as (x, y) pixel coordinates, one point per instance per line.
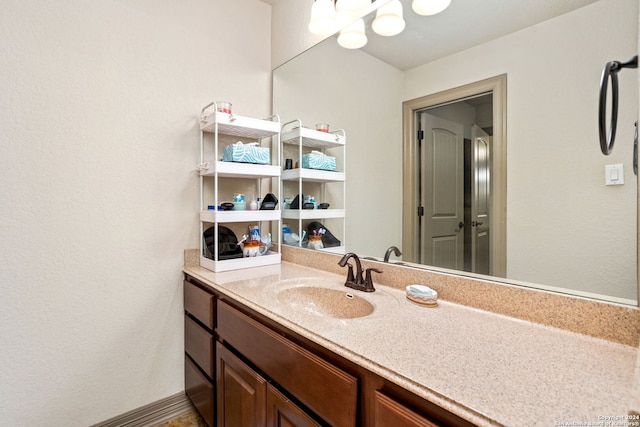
(466, 23)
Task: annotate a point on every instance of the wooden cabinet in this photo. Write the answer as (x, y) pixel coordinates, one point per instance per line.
(390, 412)
(245, 369)
(328, 391)
(282, 412)
(245, 399)
(200, 304)
(200, 390)
(199, 345)
(242, 392)
(199, 368)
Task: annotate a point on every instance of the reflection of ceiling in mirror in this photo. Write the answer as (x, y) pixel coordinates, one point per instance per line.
(466, 23)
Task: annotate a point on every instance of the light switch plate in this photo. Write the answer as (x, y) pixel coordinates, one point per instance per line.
(614, 174)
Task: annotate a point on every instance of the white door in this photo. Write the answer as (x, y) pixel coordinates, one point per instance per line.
(481, 201)
(441, 192)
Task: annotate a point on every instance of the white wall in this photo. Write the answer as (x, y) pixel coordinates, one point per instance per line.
(99, 139)
(551, 227)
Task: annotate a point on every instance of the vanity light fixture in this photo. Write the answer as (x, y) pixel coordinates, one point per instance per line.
(389, 20)
(323, 18)
(353, 37)
(429, 7)
(352, 5)
(329, 15)
(349, 10)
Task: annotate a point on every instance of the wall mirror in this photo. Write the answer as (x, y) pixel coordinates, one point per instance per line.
(565, 230)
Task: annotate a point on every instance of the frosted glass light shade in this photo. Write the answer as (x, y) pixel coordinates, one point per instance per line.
(429, 7)
(348, 11)
(389, 21)
(352, 5)
(353, 37)
(323, 18)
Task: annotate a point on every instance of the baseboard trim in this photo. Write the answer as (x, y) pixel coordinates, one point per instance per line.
(152, 414)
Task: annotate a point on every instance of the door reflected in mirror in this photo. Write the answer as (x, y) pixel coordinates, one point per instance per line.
(454, 181)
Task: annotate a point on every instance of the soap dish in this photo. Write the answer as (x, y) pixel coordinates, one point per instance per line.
(422, 295)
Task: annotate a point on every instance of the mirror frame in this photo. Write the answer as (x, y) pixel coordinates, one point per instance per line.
(498, 87)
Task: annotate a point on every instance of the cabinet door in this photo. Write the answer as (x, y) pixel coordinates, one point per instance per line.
(241, 392)
(282, 412)
(389, 412)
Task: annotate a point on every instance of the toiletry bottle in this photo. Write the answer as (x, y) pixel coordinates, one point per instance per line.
(315, 242)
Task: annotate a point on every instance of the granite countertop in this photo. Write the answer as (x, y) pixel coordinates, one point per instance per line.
(484, 367)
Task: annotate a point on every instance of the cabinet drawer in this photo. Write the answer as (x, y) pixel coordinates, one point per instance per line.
(198, 343)
(200, 390)
(390, 412)
(323, 388)
(200, 304)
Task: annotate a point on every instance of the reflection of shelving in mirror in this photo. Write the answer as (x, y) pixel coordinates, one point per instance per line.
(219, 179)
(312, 213)
(325, 182)
(242, 127)
(313, 138)
(335, 250)
(312, 175)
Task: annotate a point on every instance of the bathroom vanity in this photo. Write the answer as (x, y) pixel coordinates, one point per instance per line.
(248, 366)
(267, 346)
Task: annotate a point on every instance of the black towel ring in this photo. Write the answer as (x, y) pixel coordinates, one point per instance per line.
(611, 70)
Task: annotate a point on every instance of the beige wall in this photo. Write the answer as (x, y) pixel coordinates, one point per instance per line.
(98, 117)
(290, 35)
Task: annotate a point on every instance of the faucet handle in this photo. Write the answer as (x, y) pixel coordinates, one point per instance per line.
(368, 283)
(350, 277)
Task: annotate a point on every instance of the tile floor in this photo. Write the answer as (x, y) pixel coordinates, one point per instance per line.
(190, 419)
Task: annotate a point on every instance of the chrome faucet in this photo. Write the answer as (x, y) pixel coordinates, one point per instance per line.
(357, 281)
(395, 251)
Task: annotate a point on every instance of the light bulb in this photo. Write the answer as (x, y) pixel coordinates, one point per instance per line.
(429, 7)
(353, 37)
(323, 18)
(389, 21)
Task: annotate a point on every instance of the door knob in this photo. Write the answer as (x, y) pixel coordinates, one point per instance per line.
(476, 224)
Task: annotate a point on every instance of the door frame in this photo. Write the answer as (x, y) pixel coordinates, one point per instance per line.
(498, 87)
